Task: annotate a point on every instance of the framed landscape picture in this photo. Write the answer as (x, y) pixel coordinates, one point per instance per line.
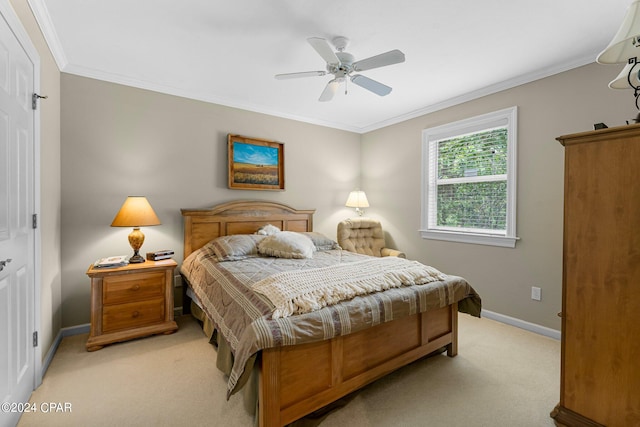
(255, 164)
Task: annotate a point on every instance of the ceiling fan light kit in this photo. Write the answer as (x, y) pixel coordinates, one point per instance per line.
(343, 64)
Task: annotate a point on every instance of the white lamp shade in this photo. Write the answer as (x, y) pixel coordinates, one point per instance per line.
(357, 199)
(622, 47)
(622, 80)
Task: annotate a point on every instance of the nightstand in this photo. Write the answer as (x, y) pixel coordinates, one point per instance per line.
(131, 302)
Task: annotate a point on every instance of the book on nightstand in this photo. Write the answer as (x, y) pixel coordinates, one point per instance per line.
(160, 255)
(111, 262)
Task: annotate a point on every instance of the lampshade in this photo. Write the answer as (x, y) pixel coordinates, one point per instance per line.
(625, 43)
(622, 80)
(136, 212)
(357, 199)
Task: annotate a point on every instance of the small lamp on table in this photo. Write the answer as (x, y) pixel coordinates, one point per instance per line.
(357, 199)
(136, 212)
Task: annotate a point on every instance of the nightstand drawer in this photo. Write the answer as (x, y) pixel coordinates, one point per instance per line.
(132, 315)
(132, 287)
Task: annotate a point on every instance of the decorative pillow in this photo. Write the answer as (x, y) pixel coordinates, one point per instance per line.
(236, 247)
(320, 241)
(287, 244)
(268, 230)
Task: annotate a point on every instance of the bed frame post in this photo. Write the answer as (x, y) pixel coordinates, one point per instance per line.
(269, 389)
(452, 348)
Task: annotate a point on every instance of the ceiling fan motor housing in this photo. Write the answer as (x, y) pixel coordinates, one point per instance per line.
(344, 67)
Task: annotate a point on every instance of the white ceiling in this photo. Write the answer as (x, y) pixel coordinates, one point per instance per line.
(227, 52)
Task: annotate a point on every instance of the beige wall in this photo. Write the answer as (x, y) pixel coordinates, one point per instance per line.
(565, 103)
(50, 286)
(119, 141)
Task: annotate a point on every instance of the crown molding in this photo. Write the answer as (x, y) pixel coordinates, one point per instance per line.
(488, 90)
(41, 13)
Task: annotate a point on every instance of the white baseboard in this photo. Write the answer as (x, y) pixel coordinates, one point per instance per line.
(522, 324)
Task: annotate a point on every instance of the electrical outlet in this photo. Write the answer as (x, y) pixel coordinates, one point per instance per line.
(536, 293)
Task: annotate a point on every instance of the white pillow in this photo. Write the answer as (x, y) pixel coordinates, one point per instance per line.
(287, 244)
(268, 230)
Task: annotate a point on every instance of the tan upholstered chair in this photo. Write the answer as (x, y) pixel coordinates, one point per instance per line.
(364, 236)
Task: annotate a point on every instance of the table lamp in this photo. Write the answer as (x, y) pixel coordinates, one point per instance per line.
(357, 199)
(136, 212)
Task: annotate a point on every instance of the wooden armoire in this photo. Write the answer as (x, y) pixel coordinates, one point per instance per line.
(600, 366)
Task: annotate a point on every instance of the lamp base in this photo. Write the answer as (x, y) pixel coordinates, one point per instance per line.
(136, 239)
(136, 259)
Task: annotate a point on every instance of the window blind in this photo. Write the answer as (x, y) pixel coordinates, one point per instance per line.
(471, 181)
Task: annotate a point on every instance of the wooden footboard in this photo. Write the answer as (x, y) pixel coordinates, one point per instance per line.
(297, 380)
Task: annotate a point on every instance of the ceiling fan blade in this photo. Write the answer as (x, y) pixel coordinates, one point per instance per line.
(324, 49)
(330, 90)
(298, 75)
(372, 85)
(387, 58)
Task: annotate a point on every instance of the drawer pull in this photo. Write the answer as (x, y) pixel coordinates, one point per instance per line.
(135, 314)
(136, 287)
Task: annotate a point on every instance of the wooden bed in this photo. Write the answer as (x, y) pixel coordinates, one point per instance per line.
(297, 380)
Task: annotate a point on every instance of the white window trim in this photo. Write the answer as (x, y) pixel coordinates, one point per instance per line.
(504, 117)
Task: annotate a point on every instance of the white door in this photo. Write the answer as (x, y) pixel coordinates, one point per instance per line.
(17, 236)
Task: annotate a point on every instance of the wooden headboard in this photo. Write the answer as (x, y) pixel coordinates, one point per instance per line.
(240, 217)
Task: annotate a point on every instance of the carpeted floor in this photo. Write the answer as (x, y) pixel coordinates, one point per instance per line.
(502, 376)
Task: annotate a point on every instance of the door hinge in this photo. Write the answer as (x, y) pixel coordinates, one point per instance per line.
(34, 100)
(34, 221)
(35, 339)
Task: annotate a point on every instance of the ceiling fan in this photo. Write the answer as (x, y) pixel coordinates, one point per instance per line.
(342, 65)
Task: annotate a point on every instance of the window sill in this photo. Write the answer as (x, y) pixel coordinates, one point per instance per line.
(477, 239)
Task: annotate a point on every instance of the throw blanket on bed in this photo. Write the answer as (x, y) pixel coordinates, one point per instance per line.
(304, 291)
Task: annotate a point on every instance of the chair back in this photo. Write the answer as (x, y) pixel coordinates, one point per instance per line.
(361, 235)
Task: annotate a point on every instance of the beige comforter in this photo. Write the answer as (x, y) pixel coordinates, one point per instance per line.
(245, 318)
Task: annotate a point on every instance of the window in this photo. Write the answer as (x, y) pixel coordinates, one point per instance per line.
(469, 180)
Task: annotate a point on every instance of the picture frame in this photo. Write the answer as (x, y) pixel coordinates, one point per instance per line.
(255, 164)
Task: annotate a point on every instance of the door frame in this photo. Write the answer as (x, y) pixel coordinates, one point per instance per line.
(10, 16)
